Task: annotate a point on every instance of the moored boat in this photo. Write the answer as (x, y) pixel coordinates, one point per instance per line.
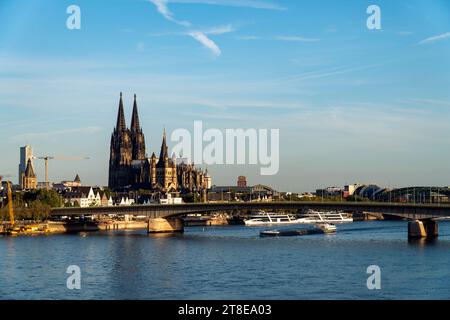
(270, 218)
(291, 233)
(333, 217)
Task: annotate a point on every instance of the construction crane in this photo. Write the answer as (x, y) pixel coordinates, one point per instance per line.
(1, 178)
(63, 158)
(10, 204)
(12, 229)
(4, 176)
(9, 229)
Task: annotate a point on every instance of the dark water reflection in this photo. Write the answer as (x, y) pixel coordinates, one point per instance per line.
(228, 263)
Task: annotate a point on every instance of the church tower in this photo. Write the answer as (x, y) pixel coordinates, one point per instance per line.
(29, 180)
(121, 152)
(137, 136)
(166, 168)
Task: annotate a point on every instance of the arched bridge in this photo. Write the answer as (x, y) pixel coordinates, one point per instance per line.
(404, 210)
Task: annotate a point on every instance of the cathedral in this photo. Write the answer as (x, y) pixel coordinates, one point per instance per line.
(131, 169)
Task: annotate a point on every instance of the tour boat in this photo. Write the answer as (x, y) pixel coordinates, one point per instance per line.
(314, 217)
(270, 218)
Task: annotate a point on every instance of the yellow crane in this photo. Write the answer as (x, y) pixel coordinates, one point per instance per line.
(64, 158)
(9, 197)
(10, 204)
(12, 228)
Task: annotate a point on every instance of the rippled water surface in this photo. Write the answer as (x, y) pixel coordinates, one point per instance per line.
(230, 262)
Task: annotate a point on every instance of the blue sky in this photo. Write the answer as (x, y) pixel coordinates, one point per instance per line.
(352, 104)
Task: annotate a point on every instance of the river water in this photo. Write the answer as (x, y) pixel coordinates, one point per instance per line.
(230, 262)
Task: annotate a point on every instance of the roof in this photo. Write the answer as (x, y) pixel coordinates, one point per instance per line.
(259, 188)
(82, 191)
(29, 172)
(231, 189)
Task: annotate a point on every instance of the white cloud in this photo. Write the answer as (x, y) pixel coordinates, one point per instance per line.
(163, 9)
(58, 133)
(437, 38)
(220, 30)
(248, 38)
(224, 103)
(296, 39)
(161, 5)
(207, 42)
(339, 70)
(213, 31)
(200, 36)
(255, 4)
(280, 38)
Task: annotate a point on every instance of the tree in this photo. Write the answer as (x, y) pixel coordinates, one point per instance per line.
(46, 197)
(188, 198)
(39, 211)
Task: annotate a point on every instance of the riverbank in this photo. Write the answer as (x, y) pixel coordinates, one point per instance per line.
(55, 227)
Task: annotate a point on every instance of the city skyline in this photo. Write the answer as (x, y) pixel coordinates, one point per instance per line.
(352, 104)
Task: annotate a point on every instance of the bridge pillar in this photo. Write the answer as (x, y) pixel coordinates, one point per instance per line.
(163, 225)
(422, 229)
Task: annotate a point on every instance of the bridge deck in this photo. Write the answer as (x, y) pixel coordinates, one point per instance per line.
(406, 210)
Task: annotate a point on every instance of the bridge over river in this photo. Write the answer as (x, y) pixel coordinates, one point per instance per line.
(164, 218)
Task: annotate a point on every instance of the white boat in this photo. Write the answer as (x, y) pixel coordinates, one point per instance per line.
(317, 217)
(326, 227)
(270, 218)
(320, 228)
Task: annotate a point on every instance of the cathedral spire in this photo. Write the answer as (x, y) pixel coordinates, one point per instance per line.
(135, 126)
(121, 126)
(164, 153)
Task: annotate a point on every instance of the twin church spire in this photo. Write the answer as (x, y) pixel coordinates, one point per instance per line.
(135, 135)
(121, 124)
